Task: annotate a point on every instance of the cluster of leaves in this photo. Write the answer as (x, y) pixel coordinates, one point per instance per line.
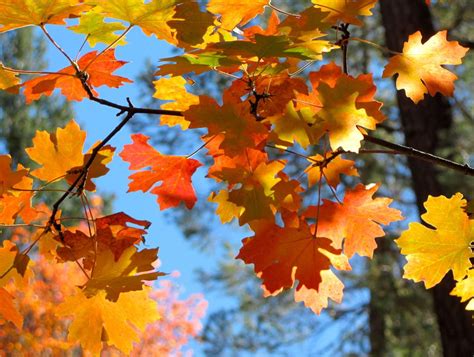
(45, 332)
(268, 108)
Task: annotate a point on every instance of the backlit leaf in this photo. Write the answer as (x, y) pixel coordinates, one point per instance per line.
(432, 252)
(99, 73)
(356, 221)
(346, 11)
(419, 67)
(21, 13)
(236, 12)
(97, 319)
(173, 171)
(8, 310)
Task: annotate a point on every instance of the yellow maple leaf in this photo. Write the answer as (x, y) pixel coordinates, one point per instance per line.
(97, 319)
(345, 10)
(97, 31)
(174, 89)
(296, 125)
(341, 118)
(60, 155)
(432, 253)
(128, 273)
(419, 66)
(465, 290)
(8, 80)
(151, 17)
(20, 13)
(57, 153)
(226, 210)
(236, 12)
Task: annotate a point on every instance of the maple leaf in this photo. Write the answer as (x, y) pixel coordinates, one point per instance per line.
(96, 319)
(60, 155)
(21, 13)
(241, 129)
(341, 118)
(99, 73)
(236, 12)
(113, 233)
(329, 288)
(432, 252)
(8, 310)
(296, 126)
(197, 63)
(128, 273)
(268, 47)
(345, 10)
(331, 171)
(191, 24)
(97, 31)
(9, 178)
(282, 255)
(256, 195)
(278, 90)
(226, 210)
(309, 25)
(419, 66)
(356, 220)
(58, 152)
(174, 89)
(465, 289)
(173, 171)
(272, 27)
(151, 17)
(9, 81)
(14, 202)
(8, 254)
(363, 84)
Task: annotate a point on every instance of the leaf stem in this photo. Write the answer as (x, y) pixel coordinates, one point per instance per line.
(51, 39)
(383, 49)
(270, 5)
(108, 47)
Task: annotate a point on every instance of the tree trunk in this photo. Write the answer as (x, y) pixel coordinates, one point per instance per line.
(421, 124)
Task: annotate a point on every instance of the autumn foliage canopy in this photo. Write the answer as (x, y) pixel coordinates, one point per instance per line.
(277, 102)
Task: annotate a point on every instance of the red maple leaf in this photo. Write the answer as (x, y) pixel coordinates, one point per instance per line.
(97, 69)
(173, 171)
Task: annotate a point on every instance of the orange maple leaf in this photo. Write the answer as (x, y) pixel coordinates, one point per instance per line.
(419, 66)
(236, 12)
(282, 255)
(9, 178)
(21, 13)
(173, 171)
(112, 233)
(60, 155)
(345, 10)
(363, 84)
(241, 129)
(8, 310)
(15, 193)
(99, 71)
(355, 221)
(329, 172)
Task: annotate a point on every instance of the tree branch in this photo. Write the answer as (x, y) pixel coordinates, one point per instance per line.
(418, 154)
